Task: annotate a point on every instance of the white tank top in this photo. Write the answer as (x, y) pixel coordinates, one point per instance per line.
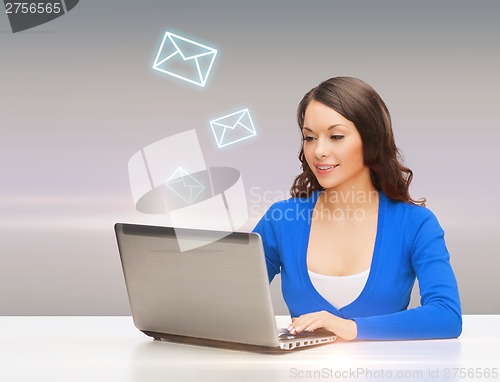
(339, 291)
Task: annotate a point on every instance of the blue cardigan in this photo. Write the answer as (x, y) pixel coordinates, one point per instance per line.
(409, 243)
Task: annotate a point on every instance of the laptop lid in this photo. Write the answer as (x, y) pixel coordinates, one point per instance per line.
(219, 291)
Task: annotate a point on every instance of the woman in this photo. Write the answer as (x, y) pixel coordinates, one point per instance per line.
(351, 241)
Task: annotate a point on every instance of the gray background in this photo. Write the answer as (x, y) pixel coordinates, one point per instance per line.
(78, 98)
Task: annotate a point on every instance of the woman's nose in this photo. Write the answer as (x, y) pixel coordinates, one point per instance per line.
(321, 150)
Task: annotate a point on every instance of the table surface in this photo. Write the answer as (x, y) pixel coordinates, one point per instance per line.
(112, 349)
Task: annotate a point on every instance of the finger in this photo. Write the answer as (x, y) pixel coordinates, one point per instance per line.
(296, 326)
(308, 326)
(306, 322)
(301, 324)
(312, 327)
(299, 321)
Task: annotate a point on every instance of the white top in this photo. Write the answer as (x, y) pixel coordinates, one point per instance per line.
(339, 291)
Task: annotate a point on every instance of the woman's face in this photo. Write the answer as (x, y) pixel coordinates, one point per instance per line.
(333, 149)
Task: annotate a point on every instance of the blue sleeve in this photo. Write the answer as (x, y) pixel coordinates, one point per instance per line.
(439, 315)
(267, 229)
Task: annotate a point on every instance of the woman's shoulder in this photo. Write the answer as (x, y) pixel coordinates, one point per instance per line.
(412, 214)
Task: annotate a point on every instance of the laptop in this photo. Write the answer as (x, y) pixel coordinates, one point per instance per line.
(215, 294)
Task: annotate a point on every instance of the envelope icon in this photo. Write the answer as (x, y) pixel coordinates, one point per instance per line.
(233, 128)
(185, 185)
(185, 59)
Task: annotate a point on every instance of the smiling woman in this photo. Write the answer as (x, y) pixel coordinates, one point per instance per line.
(350, 266)
(333, 149)
(358, 108)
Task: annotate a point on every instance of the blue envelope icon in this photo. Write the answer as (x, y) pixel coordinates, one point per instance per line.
(185, 185)
(233, 128)
(185, 59)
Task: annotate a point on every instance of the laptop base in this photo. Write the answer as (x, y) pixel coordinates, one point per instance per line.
(286, 345)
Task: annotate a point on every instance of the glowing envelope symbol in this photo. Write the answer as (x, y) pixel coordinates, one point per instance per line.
(233, 128)
(185, 59)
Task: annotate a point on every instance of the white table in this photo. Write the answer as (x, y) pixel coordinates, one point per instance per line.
(89, 349)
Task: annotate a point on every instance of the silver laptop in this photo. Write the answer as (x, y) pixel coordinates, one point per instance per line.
(216, 294)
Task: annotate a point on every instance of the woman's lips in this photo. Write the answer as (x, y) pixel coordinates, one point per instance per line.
(325, 168)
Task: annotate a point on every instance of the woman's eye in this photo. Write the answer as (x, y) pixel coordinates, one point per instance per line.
(308, 139)
(336, 137)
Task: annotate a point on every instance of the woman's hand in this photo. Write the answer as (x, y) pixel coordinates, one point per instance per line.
(345, 329)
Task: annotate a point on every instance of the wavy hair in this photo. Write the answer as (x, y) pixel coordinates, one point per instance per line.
(362, 105)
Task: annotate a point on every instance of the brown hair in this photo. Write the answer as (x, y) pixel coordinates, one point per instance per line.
(361, 104)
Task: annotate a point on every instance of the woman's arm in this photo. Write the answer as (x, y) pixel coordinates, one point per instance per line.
(440, 314)
(266, 229)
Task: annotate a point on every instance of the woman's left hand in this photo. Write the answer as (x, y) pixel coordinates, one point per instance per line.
(345, 329)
